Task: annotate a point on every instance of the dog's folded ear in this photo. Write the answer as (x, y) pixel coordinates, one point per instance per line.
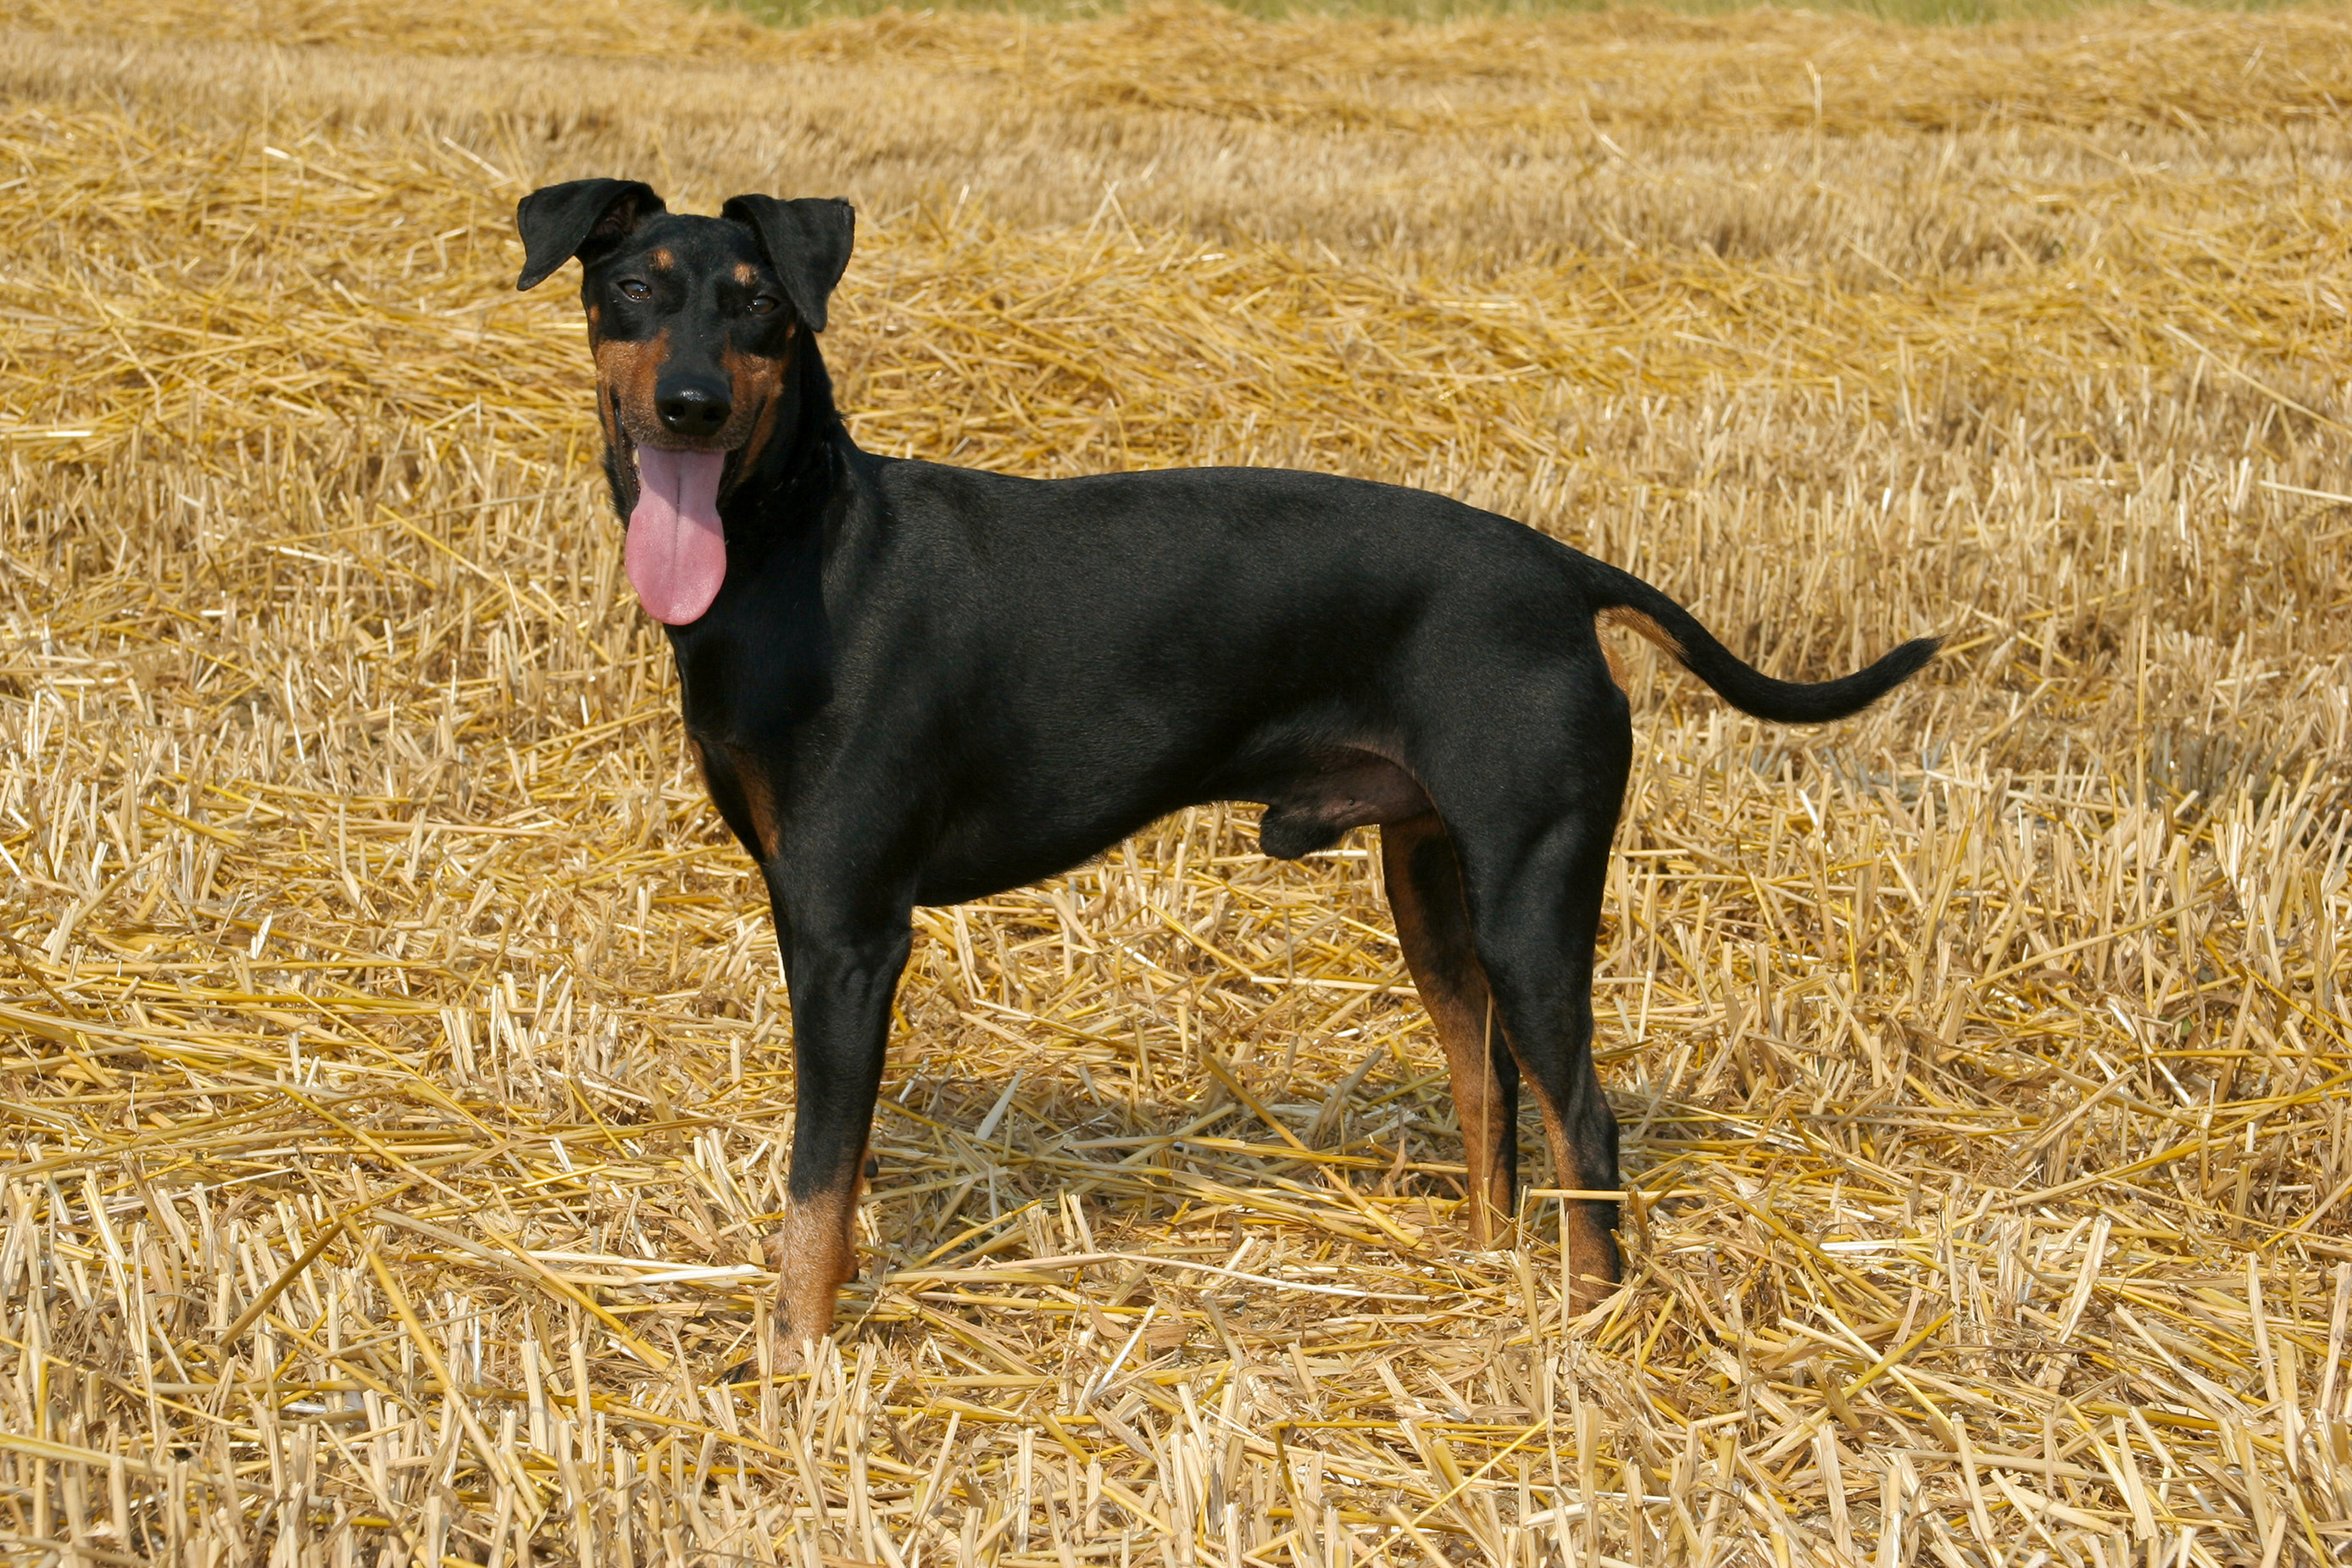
(807, 242)
(577, 219)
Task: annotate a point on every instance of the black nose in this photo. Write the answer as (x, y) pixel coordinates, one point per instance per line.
(693, 408)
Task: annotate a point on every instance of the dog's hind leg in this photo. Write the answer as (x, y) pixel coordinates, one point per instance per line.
(1531, 823)
(1535, 918)
(1425, 888)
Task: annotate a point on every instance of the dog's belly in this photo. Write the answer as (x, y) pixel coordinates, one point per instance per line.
(1311, 799)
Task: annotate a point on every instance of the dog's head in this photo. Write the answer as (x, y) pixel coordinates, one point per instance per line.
(694, 322)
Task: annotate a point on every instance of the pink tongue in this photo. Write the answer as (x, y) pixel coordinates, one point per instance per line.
(676, 552)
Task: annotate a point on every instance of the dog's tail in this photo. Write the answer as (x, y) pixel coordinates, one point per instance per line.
(1622, 599)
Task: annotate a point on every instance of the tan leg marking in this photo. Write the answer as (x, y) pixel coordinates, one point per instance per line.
(1454, 990)
(816, 1254)
(1591, 1269)
(1590, 1278)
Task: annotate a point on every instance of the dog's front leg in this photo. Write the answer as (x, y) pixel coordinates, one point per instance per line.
(843, 971)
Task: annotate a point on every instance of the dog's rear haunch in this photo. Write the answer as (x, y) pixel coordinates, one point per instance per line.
(910, 684)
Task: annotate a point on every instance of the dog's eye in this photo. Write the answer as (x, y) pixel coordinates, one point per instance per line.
(763, 305)
(632, 289)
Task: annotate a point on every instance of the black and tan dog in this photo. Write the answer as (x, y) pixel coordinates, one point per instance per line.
(910, 684)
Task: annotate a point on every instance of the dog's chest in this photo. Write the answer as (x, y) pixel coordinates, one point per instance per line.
(760, 661)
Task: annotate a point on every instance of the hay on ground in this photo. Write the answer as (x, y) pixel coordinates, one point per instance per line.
(393, 1069)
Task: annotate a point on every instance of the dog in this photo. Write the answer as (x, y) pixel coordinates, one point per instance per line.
(906, 683)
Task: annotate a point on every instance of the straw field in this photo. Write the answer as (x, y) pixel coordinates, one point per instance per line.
(395, 1071)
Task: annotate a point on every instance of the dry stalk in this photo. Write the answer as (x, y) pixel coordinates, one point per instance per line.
(392, 1066)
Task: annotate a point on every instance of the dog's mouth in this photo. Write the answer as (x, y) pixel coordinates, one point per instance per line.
(677, 548)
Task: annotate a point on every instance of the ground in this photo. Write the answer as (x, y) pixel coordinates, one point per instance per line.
(396, 1070)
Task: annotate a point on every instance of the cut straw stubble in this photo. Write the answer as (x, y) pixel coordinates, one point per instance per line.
(354, 868)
